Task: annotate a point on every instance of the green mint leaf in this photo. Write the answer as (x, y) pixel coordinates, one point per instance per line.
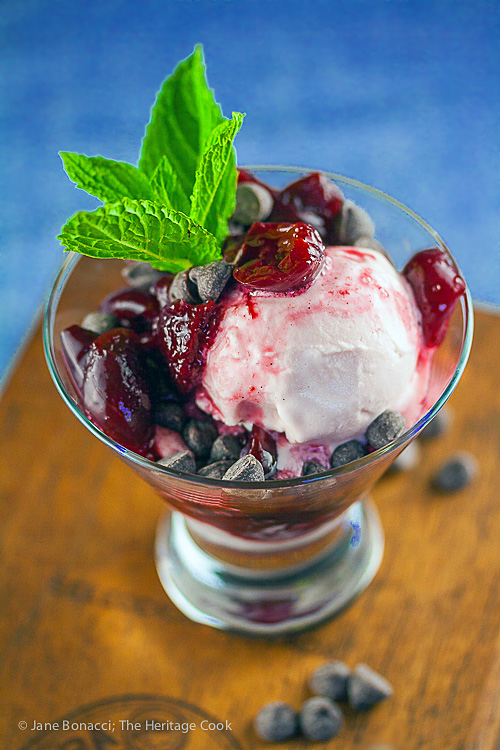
(209, 175)
(108, 180)
(182, 121)
(224, 202)
(140, 230)
(167, 188)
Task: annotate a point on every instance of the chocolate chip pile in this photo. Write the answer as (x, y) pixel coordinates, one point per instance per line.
(320, 717)
(219, 456)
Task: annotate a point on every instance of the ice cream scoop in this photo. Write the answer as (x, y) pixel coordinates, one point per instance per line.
(320, 365)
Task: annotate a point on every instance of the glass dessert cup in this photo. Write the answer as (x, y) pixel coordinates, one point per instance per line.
(276, 557)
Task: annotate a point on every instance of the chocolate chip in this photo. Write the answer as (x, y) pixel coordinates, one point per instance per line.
(199, 436)
(142, 274)
(355, 223)
(312, 467)
(366, 688)
(246, 469)
(170, 415)
(386, 427)
(225, 448)
(215, 470)
(456, 473)
(276, 722)
(211, 279)
(182, 461)
(253, 203)
(330, 680)
(99, 322)
(183, 288)
(320, 719)
(347, 452)
(437, 426)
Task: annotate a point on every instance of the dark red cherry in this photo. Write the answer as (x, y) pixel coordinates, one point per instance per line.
(314, 200)
(263, 447)
(437, 285)
(280, 257)
(160, 290)
(115, 395)
(185, 332)
(132, 307)
(75, 344)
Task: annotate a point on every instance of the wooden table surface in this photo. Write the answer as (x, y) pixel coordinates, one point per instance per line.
(87, 633)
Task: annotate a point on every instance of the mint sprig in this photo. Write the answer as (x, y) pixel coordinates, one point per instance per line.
(173, 209)
(140, 230)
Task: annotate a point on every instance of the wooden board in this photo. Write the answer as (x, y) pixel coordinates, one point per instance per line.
(87, 633)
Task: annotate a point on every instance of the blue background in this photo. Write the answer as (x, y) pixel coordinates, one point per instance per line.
(400, 95)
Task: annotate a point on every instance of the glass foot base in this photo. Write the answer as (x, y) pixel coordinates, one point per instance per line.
(269, 603)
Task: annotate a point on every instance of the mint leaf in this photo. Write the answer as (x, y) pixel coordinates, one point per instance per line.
(140, 230)
(167, 188)
(108, 180)
(224, 202)
(182, 120)
(209, 174)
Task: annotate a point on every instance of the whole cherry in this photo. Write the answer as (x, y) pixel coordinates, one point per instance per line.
(132, 307)
(185, 332)
(279, 257)
(437, 285)
(313, 199)
(114, 390)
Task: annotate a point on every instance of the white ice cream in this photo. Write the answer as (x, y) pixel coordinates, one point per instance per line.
(321, 365)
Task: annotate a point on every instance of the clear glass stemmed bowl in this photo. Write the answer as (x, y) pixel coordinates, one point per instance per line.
(276, 557)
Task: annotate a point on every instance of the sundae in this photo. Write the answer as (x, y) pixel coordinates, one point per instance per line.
(261, 333)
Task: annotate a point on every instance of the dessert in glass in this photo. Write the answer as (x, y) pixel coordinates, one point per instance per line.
(263, 393)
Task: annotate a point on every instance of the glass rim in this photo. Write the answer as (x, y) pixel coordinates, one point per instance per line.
(467, 311)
